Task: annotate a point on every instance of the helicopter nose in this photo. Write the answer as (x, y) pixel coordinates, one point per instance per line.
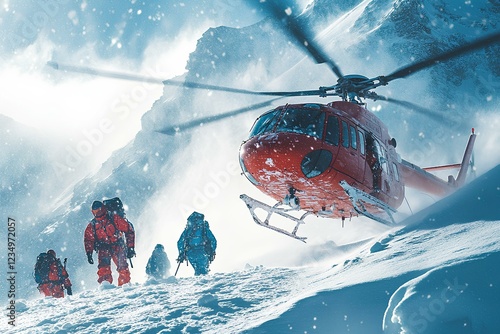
(284, 158)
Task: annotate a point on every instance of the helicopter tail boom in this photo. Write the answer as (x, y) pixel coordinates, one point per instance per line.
(464, 166)
(420, 178)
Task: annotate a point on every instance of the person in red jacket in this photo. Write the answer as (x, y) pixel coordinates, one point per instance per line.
(113, 238)
(57, 278)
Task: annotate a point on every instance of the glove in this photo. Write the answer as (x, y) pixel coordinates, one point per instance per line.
(181, 258)
(89, 258)
(68, 289)
(130, 252)
(211, 257)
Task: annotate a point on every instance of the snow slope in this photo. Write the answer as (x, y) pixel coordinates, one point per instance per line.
(438, 274)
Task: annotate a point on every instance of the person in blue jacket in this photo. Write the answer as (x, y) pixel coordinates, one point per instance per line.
(158, 264)
(197, 244)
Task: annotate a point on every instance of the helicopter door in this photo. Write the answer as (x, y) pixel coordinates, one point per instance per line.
(374, 160)
(385, 180)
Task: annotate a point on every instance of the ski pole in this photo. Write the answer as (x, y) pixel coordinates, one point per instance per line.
(187, 263)
(177, 268)
(68, 289)
(130, 253)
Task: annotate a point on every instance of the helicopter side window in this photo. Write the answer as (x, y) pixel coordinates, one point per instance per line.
(354, 143)
(265, 123)
(385, 161)
(361, 142)
(345, 134)
(332, 131)
(396, 173)
(306, 121)
(373, 159)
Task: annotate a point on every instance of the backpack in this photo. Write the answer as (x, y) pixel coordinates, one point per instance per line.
(197, 239)
(114, 206)
(152, 266)
(42, 267)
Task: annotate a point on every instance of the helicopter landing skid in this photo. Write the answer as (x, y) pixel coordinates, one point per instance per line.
(358, 198)
(253, 204)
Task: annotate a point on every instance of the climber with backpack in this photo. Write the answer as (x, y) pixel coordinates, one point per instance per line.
(112, 236)
(158, 265)
(197, 244)
(51, 275)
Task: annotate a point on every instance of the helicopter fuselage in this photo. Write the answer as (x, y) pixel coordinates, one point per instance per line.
(299, 154)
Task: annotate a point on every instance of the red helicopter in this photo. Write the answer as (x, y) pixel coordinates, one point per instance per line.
(334, 160)
(337, 160)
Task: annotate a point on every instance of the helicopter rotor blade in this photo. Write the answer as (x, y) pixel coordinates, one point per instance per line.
(104, 73)
(303, 37)
(453, 53)
(188, 84)
(172, 130)
(415, 107)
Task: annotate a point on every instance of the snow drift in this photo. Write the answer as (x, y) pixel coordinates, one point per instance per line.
(436, 275)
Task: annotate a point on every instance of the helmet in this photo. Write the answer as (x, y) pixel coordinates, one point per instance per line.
(99, 210)
(51, 252)
(196, 217)
(159, 246)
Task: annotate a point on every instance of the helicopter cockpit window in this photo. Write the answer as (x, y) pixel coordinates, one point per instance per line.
(332, 131)
(306, 121)
(265, 123)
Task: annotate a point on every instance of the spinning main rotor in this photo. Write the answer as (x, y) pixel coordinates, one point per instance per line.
(353, 88)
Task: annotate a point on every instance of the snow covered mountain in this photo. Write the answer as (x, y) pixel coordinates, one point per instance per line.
(24, 178)
(438, 274)
(162, 178)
